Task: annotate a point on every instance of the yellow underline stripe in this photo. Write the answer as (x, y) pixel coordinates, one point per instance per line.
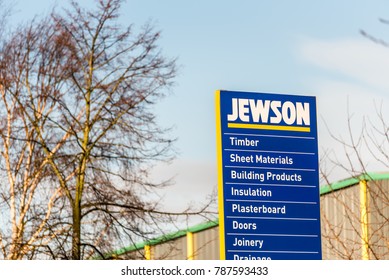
(270, 127)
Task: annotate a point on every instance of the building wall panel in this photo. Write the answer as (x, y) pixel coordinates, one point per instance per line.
(340, 223)
(378, 216)
(171, 250)
(206, 244)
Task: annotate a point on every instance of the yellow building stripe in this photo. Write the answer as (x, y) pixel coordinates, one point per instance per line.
(147, 250)
(270, 127)
(189, 246)
(220, 176)
(364, 220)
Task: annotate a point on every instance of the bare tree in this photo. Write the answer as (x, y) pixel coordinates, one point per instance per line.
(82, 90)
(28, 73)
(21, 205)
(361, 149)
(356, 221)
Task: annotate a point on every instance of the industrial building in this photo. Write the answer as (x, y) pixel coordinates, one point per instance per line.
(354, 225)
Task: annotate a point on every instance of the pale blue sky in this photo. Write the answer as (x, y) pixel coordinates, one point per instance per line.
(301, 47)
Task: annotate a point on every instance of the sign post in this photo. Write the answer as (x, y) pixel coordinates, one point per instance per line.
(268, 176)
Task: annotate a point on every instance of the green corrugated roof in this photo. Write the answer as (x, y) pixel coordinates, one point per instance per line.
(323, 190)
(353, 181)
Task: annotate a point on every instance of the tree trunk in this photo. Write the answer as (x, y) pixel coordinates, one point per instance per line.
(76, 240)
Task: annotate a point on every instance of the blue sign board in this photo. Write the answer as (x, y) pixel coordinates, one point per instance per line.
(268, 176)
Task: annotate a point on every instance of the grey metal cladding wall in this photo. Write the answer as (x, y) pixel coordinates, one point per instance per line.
(206, 244)
(171, 250)
(378, 201)
(132, 255)
(340, 223)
